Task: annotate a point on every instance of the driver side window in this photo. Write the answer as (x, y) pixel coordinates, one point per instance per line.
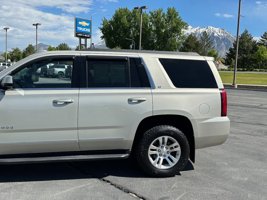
(56, 73)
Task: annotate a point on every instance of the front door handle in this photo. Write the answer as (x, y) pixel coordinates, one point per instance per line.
(62, 101)
(136, 100)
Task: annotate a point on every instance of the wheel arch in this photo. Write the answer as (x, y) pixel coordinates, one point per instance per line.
(178, 121)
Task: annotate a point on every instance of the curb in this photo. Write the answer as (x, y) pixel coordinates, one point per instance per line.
(247, 87)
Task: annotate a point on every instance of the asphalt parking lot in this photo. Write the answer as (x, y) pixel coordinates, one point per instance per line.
(234, 170)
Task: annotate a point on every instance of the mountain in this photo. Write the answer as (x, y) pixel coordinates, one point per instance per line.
(222, 40)
(42, 47)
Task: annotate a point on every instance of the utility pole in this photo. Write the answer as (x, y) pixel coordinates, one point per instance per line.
(6, 28)
(36, 38)
(141, 22)
(91, 39)
(237, 44)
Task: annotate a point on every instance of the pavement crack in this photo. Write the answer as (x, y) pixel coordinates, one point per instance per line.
(123, 189)
(106, 181)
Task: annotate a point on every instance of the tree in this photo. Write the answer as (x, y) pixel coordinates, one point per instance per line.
(51, 48)
(28, 51)
(213, 53)
(4, 55)
(167, 29)
(206, 44)
(118, 29)
(161, 31)
(261, 57)
(263, 40)
(63, 46)
(191, 44)
(15, 54)
(247, 47)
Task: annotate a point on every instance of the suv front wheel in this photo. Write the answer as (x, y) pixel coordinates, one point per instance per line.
(60, 74)
(163, 151)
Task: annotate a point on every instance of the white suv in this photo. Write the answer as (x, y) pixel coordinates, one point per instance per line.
(157, 106)
(57, 70)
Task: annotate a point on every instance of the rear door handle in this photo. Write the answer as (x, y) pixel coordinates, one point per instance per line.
(136, 100)
(62, 101)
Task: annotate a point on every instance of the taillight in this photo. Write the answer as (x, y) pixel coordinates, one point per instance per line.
(223, 103)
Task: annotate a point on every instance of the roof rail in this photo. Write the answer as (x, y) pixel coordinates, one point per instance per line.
(143, 51)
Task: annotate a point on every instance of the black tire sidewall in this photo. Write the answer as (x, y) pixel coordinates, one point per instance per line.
(148, 137)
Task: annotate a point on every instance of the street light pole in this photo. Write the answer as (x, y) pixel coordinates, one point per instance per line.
(141, 22)
(36, 32)
(237, 44)
(6, 28)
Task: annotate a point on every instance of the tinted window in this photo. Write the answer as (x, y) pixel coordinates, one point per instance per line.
(189, 73)
(116, 73)
(56, 73)
(139, 76)
(108, 73)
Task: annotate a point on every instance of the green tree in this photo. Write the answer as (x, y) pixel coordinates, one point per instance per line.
(161, 31)
(51, 48)
(213, 53)
(167, 29)
(15, 54)
(247, 47)
(263, 39)
(28, 51)
(118, 29)
(191, 44)
(261, 57)
(206, 44)
(63, 46)
(4, 55)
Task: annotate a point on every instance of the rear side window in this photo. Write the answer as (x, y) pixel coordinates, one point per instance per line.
(117, 72)
(108, 73)
(189, 73)
(139, 76)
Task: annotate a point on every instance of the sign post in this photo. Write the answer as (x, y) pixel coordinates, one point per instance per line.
(83, 30)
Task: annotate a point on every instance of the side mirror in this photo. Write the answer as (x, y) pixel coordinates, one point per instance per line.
(7, 82)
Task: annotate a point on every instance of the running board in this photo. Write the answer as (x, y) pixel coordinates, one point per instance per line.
(62, 158)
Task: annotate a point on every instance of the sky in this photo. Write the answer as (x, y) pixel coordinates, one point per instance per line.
(57, 17)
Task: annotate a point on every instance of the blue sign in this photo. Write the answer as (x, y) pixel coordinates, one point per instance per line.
(83, 28)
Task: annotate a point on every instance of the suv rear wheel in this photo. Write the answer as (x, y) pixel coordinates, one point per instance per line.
(163, 151)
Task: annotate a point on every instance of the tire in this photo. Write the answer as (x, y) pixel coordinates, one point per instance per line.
(60, 75)
(174, 157)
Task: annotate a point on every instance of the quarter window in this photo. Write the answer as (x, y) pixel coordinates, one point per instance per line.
(189, 73)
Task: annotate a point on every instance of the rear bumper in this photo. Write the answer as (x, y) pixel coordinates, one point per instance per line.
(212, 132)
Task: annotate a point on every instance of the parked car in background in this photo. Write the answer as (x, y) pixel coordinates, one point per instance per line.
(43, 69)
(57, 70)
(4, 65)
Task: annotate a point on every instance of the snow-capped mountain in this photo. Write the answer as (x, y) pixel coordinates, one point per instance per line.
(222, 40)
